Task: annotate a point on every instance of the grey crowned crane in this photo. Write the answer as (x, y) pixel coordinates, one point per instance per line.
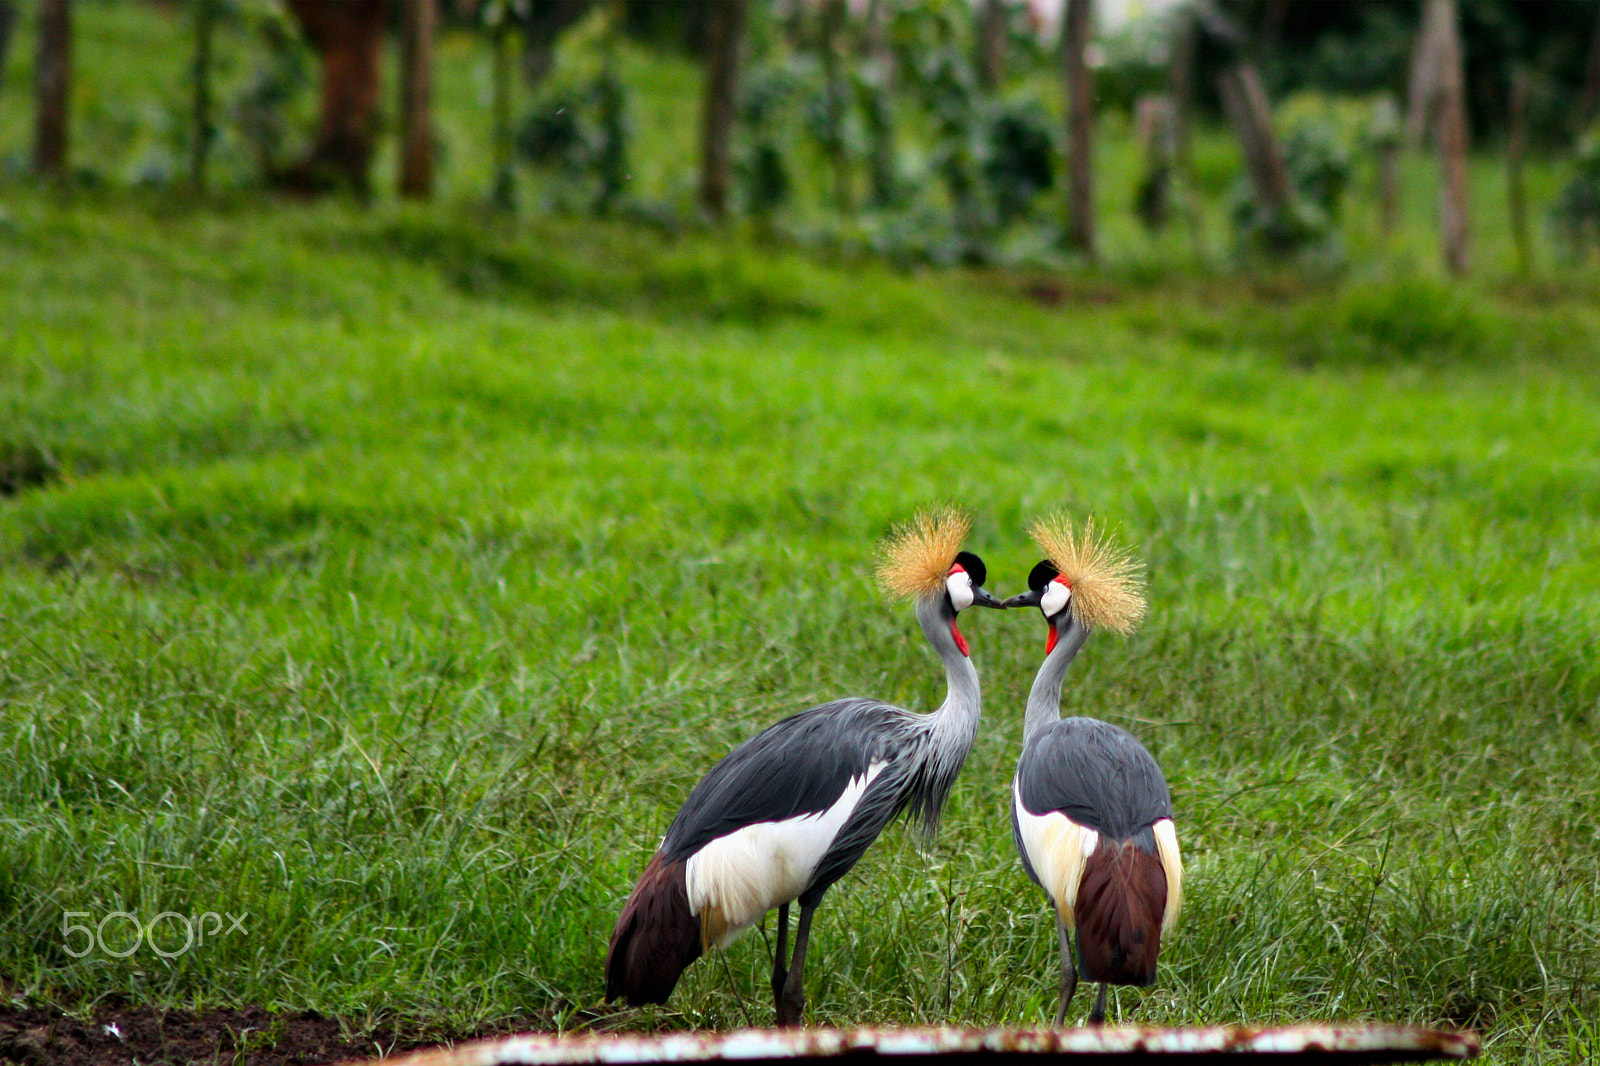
(1090, 809)
(787, 813)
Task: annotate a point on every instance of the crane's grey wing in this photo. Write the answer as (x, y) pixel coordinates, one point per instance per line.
(890, 792)
(1096, 774)
(797, 766)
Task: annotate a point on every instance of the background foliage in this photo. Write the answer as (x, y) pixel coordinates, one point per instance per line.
(390, 573)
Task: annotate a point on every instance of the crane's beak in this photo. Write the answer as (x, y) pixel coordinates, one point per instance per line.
(1030, 598)
(982, 597)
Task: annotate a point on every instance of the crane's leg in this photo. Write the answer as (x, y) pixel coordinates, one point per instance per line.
(1097, 1016)
(1069, 973)
(792, 1002)
(780, 954)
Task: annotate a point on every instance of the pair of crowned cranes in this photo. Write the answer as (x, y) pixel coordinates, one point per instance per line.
(787, 813)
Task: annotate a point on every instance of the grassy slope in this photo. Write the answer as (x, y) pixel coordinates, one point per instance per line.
(405, 577)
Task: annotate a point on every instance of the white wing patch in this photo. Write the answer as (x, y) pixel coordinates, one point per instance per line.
(1057, 848)
(1172, 866)
(739, 877)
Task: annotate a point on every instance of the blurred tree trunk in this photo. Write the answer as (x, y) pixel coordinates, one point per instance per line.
(542, 22)
(1450, 128)
(545, 22)
(880, 63)
(1246, 104)
(205, 25)
(991, 44)
(835, 94)
(1386, 136)
(725, 34)
(419, 19)
(503, 194)
(1388, 189)
(1591, 78)
(53, 87)
(1180, 79)
(1273, 15)
(1516, 153)
(8, 19)
(347, 36)
(1154, 125)
(1076, 27)
(611, 161)
(1423, 84)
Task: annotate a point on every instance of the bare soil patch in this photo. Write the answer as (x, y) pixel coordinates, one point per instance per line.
(125, 1036)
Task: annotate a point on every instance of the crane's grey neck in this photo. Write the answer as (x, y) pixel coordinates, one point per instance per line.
(1044, 699)
(961, 701)
(951, 729)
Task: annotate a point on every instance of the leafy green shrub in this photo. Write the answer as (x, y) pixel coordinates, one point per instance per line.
(763, 167)
(582, 133)
(1576, 214)
(1258, 228)
(25, 465)
(552, 134)
(1395, 323)
(1319, 144)
(1019, 158)
(1134, 62)
(1319, 166)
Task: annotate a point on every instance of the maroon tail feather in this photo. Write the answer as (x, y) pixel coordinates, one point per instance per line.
(1120, 904)
(656, 937)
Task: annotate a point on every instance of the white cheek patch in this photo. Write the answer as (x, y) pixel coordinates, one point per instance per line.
(960, 584)
(1054, 599)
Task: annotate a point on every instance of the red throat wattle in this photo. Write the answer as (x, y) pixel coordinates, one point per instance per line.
(961, 642)
(1050, 641)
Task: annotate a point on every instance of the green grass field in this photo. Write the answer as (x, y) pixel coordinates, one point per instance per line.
(401, 572)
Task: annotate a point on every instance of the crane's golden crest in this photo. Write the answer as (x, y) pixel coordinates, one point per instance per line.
(1107, 581)
(915, 560)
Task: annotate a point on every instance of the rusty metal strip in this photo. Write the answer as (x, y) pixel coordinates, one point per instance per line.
(947, 1047)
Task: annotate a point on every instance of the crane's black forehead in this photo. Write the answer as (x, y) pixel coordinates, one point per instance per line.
(1041, 575)
(973, 566)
